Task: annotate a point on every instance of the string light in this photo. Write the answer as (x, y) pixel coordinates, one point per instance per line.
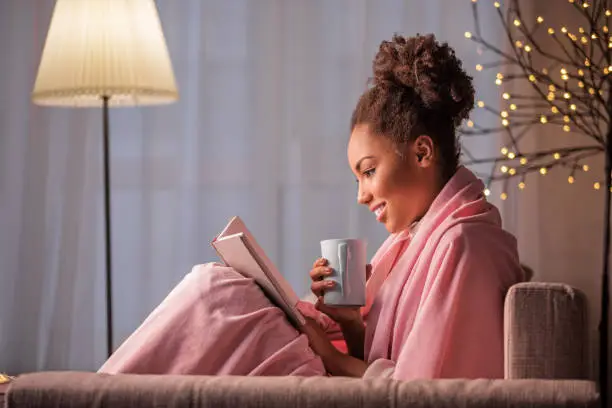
(512, 171)
(596, 185)
(593, 36)
(504, 169)
(567, 95)
(551, 96)
(504, 151)
(521, 185)
(487, 192)
(566, 128)
(563, 71)
(605, 29)
(480, 104)
(585, 4)
(587, 63)
(527, 48)
(573, 107)
(505, 122)
(544, 71)
(540, 19)
(532, 78)
(470, 123)
(543, 170)
(552, 88)
(566, 118)
(580, 72)
(497, 5)
(581, 84)
(511, 155)
(504, 114)
(517, 22)
(570, 179)
(564, 30)
(503, 196)
(478, 67)
(512, 106)
(585, 167)
(608, 13)
(468, 34)
(519, 44)
(506, 95)
(591, 91)
(581, 30)
(556, 156)
(554, 109)
(551, 31)
(523, 161)
(498, 81)
(543, 119)
(584, 40)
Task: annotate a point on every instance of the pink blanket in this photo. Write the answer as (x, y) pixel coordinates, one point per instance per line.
(435, 305)
(215, 321)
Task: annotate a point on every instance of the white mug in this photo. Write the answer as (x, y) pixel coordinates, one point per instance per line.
(347, 258)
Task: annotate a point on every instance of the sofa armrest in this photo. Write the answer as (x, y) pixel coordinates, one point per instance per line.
(546, 332)
(74, 389)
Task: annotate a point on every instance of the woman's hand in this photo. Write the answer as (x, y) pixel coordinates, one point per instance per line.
(335, 362)
(342, 315)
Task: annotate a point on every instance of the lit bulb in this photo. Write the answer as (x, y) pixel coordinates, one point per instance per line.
(468, 34)
(585, 4)
(478, 67)
(566, 128)
(567, 95)
(585, 167)
(551, 31)
(523, 161)
(543, 119)
(511, 155)
(565, 77)
(596, 185)
(503, 196)
(505, 122)
(581, 84)
(544, 71)
(581, 30)
(605, 29)
(573, 107)
(608, 13)
(592, 91)
(593, 36)
(527, 48)
(543, 170)
(506, 95)
(580, 72)
(587, 63)
(504, 151)
(498, 81)
(517, 22)
(496, 4)
(512, 171)
(540, 19)
(566, 119)
(584, 40)
(512, 106)
(521, 185)
(556, 156)
(563, 71)
(470, 123)
(487, 192)
(480, 104)
(532, 78)
(499, 75)
(551, 96)
(564, 30)
(552, 88)
(504, 169)
(570, 179)
(504, 114)
(554, 109)
(519, 44)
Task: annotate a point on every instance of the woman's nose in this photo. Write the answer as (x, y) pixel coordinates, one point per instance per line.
(363, 197)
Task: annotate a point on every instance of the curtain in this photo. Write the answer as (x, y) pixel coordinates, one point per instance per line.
(266, 88)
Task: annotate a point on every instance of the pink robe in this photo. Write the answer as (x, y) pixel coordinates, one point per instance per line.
(434, 310)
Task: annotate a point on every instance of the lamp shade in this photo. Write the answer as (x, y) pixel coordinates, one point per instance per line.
(104, 48)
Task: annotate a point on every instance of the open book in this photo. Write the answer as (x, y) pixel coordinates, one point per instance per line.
(237, 248)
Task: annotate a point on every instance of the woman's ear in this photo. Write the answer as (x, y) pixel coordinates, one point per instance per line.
(423, 150)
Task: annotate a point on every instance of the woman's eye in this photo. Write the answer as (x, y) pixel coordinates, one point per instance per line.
(369, 172)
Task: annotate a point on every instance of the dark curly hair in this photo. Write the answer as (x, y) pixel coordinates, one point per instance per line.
(419, 87)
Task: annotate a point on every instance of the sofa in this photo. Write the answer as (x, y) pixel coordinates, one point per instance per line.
(546, 365)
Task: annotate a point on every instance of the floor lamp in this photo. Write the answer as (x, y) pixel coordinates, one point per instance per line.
(105, 53)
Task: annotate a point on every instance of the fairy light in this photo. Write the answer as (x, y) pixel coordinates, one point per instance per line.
(573, 107)
(570, 179)
(504, 114)
(581, 84)
(584, 40)
(556, 156)
(563, 71)
(517, 22)
(478, 67)
(532, 78)
(470, 123)
(512, 106)
(505, 122)
(523, 161)
(566, 119)
(608, 13)
(567, 95)
(552, 88)
(497, 5)
(580, 72)
(554, 109)
(544, 71)
(596, 185)
(504, 169)
(487, 192)
(564, 30)
(550, 97)
(519, 44)
(512, 171)
(585, 167)
(587, 63)
(551, 31)
(498, 81)
(566, 128)
(565, 77)
(605, 29)
(511, 155)
(543, 119)
(581, 30)
(503, 196)
(591, 91)
(527, 48)
(540, 19)
(504, 151)
(593, 36)
(521, 185)
(480, 104)
(585, 4)
(468, 34)
(506, 95)
(543, 171)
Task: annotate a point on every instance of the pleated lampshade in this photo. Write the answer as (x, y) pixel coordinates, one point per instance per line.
(112, 48)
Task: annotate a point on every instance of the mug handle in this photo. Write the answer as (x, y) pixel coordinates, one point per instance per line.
(343, 255)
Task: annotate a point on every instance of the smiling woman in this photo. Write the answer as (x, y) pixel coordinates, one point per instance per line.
(434, 306)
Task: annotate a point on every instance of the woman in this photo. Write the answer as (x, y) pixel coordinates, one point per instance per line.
(435, 295)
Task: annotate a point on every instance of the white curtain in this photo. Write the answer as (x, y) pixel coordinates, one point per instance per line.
(266, 87)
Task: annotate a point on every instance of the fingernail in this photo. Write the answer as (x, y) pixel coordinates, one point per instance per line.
(329, 284)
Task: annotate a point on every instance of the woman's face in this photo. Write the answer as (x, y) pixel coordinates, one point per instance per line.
(397, 189)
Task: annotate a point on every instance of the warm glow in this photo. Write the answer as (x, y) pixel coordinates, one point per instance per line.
(503, 196)
(505, 122)
(564, 30)
(556, 156)
(512, 106)
(566, 128)
(585, 167)
(540, 19)
(511, 155)
(527, 48)
(581, 84)
(487, 192)
(478, 67)
(523, 161)
(596, 185)
(480, 104)
(567, 95)
(512, 171)
(504, 151)
(504, 169)
(521, 185)
(570, 179)
(566, 118)
(543, 170)
(470, 123)
(543, 119)
(468, 34)
(551, 31)
(104, 48)
(506, 95)
(573, 107)
(552, 88)
(554, 109)
(532, 78)
(517, 22)
(498, 81)
(580, 72)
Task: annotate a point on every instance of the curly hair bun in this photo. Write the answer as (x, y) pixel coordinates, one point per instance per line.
(429, 70)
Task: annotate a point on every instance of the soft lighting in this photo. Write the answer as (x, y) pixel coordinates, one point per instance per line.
(564, 30)
(498, 81)
(480, 104)
(504, 151)
(608, 13)
(504, 114)
(504, 169)
(585, 167)
(543, 170)
(506, 95)
(523, 161)
(554, 109)
(552, 88)
(573, 107)
(521, 185)
(567, 95)
(596, 185)
(470, 123)
(487, 192)
(511, 155)
(478, 67)
(556, 156)
(566, 118)
(104, 48)
(512, 106)
(527, 48)
(570, 179)
(512, 171)
(468, 34)
(540, 19)
(532, 78)
(543, 119)
(551, 31)
(505, 122)
(497, 5)
(566, 128)
(517, 22)
(519, 44)
(503, 196)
